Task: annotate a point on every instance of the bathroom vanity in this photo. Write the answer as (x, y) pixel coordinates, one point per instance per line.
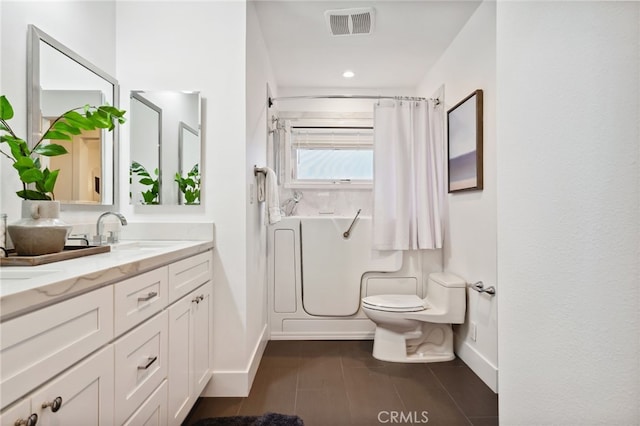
(118, 338)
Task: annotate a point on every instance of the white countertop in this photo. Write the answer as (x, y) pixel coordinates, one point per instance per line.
(27, 288)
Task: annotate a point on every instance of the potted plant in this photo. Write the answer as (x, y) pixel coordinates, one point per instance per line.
(40, 231)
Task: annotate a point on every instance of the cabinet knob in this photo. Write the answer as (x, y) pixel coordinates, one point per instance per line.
(31, 421)
(55, 404)
(198, 299)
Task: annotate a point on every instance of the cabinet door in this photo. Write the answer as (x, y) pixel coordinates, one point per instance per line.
(85, 392)
(180, 359)
(202, 314)
(18, 414)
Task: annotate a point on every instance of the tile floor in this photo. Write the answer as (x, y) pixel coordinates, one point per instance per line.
(335, 383)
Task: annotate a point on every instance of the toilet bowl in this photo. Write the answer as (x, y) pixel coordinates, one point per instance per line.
(411, 329)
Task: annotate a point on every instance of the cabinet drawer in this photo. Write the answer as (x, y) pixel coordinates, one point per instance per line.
(153, 411)
(140, 364)
(139, 298)
(188, 274)
(36, 346)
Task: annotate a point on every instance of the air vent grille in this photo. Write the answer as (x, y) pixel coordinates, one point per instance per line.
(359, 21)
(339, 24)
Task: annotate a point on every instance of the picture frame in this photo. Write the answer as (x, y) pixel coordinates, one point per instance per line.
(464, 144)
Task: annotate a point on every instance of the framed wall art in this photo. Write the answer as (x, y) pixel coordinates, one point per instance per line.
(464, 143)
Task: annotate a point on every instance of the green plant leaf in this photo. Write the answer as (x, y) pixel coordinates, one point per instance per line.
(77, 120)
(16, 145)
(50, 150)
(6, 110)
(50, 180)
(112, 110)
(29, 194)
(65, 127)
(55, 135)
(146, 181)
(31, 175)
(101, 120)
(23, 163)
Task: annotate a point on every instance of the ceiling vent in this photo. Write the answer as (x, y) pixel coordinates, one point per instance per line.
(356, 21)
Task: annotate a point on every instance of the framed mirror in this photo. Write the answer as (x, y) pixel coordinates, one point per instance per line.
(464, 144)
(60, 80)
(166, 147)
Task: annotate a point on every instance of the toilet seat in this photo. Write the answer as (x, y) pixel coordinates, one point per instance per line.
(395, 303)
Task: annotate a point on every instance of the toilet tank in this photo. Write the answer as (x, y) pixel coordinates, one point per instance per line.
(446, 291)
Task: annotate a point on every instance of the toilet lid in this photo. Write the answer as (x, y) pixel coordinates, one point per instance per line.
(395, 302)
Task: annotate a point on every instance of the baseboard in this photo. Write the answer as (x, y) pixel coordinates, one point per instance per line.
(487, 372)
(310, 335)
(238, 382)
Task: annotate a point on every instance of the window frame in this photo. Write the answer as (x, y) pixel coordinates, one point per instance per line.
(291, 160)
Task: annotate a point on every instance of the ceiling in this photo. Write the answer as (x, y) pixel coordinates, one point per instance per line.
(408, 38)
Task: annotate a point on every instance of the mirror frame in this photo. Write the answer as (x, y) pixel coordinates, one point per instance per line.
(137, 95)
(35, 36)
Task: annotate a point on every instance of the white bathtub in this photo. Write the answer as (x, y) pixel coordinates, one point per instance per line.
(316, 277)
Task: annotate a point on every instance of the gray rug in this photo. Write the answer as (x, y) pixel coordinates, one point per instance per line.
(267, 419)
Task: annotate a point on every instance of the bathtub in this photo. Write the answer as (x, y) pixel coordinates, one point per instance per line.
(317, 277)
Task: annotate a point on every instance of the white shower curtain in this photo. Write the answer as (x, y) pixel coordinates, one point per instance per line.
(408, 175)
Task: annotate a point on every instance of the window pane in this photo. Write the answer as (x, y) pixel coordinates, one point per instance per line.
(334, 164)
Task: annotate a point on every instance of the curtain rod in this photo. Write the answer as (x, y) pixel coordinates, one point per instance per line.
(402, 98)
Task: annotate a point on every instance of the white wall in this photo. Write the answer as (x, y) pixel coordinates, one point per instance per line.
(258, 75)
(67, 22)
(470, 225)
(569, 212)
(201, 46)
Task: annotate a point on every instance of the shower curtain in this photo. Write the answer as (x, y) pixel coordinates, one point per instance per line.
(408, 180)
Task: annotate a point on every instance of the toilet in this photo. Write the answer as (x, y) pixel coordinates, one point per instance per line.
(412, 329)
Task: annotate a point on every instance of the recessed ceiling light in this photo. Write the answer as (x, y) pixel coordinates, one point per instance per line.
(348, 74)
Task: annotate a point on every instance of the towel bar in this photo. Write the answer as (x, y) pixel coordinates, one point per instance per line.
(257, 170)
(479, 287)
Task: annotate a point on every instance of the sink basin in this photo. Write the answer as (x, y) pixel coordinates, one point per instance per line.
(23, 274)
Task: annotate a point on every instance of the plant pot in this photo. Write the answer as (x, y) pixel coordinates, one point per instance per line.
(40, 231)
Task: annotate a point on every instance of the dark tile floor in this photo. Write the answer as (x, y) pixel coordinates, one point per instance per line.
(335, 383)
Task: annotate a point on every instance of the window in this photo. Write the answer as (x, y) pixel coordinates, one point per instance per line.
(331, 155)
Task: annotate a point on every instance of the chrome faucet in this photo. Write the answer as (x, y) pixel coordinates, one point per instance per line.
(100, 239)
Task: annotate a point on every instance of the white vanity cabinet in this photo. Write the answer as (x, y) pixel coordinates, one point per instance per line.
(126, 353)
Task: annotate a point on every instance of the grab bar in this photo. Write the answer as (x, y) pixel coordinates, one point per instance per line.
(479, 287)
(348, 231)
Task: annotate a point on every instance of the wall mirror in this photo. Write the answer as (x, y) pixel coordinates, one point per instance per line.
(166, 147)
(61, 80)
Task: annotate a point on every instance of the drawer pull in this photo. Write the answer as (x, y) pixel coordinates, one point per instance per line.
(198, 299)
(55, 404)
(148, 297)
(150, 361)
(31, 421)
